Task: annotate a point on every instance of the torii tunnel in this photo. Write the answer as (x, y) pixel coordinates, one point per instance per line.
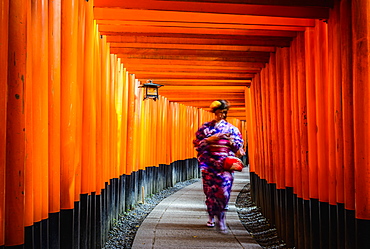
(79, 145)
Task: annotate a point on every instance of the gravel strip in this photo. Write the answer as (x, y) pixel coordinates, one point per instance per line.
(124, 229)
(255, 223)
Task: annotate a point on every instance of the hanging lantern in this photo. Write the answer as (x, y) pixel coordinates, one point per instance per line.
(151, 90)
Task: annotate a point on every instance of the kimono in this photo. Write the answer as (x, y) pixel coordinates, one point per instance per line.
(217, 182)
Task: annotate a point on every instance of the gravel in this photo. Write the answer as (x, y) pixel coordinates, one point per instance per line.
(255, 223)
(125, 227)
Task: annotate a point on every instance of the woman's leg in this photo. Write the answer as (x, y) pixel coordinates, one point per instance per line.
(207, 179)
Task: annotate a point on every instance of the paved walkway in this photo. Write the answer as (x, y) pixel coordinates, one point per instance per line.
(179, 221)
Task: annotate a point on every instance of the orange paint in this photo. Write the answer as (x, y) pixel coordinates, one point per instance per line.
(4, 21)
(280, 167)
(89, 134)
(39, 18)
(302, 115)
(54, 105)
(347, 103)
(273, 119)
(311, 113)
(15, 129)
(333, 146)
(70, 151)
(287, 117)
(296, 152)
(337, 105)
(321, 113)
(361, 105)
(99, 120)
(130, 123)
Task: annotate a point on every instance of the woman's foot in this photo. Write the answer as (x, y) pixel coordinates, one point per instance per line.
(210, 224)
(211, 221)
(222, 223)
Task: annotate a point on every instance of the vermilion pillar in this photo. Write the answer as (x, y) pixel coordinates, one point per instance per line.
(130, 123)
(265, 134)
(54, 105)
(311, 113)
(250, 127)
(88, 166)
(287, 117)
(296, 152)
(99, 119)
(4, 21)
(347, 103)
(302, 115)
(29, 168)
(106, 127)
(124, 123)
(273, 118)
(332, 55)
(321, 69)
(70, 152)
(258, 137)
(280, 174)
(361, 106)
(15, 129)
(80, 24)
(39, 18)
(337, 104)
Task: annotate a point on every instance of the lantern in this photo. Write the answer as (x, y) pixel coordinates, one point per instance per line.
(151, 90)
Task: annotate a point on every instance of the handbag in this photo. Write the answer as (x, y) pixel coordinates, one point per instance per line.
(233, 163)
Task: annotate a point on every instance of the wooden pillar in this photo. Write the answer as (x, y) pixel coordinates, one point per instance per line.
(54, 105)
(136, 135)
(273, 118)
(312, 137)
(88, 161)
(69, 95)
(280, 174)
(130, 123)
(29, 167)
(287, 117)
(331, 150)
(322, 128)
(302, 114)
(361, 105)
(99, 122)
(311, 112)
(124, 123)
(4, 21)
(15, 128)
(348, 126)
(113, 116)
(264, 151)
(296, 152)
(258, 111)
(251, 129)
(39, 18)
(105, 89)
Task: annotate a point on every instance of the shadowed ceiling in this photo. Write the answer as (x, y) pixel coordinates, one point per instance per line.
(203, 50)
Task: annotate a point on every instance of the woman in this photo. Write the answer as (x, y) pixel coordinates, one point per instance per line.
(215, 140)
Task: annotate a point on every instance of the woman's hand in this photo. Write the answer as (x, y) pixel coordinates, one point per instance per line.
(213, 138)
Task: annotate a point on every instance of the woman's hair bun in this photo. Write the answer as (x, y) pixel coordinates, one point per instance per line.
(219, 105)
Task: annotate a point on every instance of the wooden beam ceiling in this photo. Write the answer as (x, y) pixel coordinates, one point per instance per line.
(203, 50)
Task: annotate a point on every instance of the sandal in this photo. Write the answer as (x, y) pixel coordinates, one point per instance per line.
(210, 224)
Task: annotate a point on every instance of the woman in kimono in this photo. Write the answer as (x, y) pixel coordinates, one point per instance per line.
(215, 140)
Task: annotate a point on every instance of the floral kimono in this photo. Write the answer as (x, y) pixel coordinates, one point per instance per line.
(217, 182)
